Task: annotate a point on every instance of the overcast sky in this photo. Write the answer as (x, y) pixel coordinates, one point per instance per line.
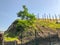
(9, 9)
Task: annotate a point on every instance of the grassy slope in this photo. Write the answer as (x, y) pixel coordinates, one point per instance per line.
(45, 23)
(49, 23)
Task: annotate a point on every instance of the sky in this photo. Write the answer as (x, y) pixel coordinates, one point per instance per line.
(10, 8)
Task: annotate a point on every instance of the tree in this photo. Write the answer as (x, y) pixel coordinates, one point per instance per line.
(25, 15)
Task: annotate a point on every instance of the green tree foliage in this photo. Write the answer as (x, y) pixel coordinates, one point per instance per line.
(25, 15)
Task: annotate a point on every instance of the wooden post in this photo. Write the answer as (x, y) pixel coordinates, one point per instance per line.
(56, 17)
(21, 38)
(47, 18)
(15, 43)
(49, 38)
(35, 37)
(1, 38)
(53, 18)
(38, 16)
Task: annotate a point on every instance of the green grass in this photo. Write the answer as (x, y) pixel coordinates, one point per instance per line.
(10, 39)
(7, 38)
(51, 24)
